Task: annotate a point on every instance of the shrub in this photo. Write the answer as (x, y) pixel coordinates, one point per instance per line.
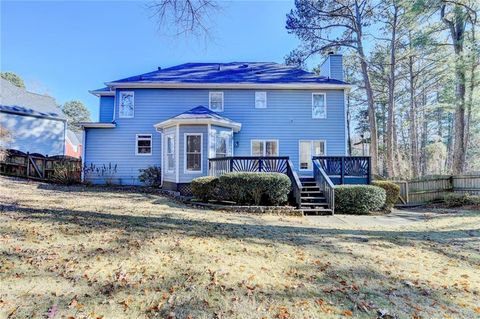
(457, 200)
(392, 191)
(205, 188)
(151, 176)
(255, 188)
(66, 173)
(358, 199)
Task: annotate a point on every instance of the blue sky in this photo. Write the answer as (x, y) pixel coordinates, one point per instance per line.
(65, 48)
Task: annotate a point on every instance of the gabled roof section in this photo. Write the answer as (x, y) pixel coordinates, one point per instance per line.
(233, 73)
(14, 99)
(200, 115)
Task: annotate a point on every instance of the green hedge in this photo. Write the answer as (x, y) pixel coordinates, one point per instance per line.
(457, 200)
(358, 199)
(392, 191)
(205, 188)
(255, 188)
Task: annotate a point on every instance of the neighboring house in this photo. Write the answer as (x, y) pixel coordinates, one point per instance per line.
(73, 144)
(181, 116)
(35, 122)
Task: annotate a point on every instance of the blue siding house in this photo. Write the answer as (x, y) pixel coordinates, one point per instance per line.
(180, 117)
(34, 121)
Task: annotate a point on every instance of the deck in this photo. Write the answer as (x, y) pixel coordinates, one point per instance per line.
(328, 171)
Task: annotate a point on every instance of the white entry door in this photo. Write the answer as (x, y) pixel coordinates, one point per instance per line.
(308, 149)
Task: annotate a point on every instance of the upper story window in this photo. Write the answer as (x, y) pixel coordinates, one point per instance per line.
(260, 100)
(216, 101)
(170, 158)
(264, 148)
(144, 144)
(126, 105)
(319, 106)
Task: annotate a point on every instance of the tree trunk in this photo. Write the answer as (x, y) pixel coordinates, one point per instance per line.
(457, 32)
(391, 98)
(349, 133)
(413, 121)
(372, 120)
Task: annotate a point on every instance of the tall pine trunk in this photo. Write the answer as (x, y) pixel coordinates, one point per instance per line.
(457, 32)
(391, 98)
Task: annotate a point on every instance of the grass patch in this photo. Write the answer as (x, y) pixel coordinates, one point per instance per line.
(88, 252)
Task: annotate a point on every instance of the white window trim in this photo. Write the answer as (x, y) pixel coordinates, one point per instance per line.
(311, 149)
(167, 136)
(325, 102)
(265, 148)
(185, 170)
(265, 99)
(210, 100)
(119, 101)
(136, 145)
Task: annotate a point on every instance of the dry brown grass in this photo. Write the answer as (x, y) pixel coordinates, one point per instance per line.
(91, 253)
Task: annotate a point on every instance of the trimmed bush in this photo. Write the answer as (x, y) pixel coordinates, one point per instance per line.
(205, 188)
(358, 199)
(392, 191)
(458, 200)
(255, 188)
(151, 176)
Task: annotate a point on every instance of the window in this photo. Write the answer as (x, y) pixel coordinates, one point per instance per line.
(260, 100)
(193, 152)
(319, 106)
(221, 145)
(264, 148)
(216, 101)
(308, 149)
(126, 105)
(144, 144)
(170, 153)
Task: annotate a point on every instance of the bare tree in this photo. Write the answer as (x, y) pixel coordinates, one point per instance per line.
(185, 16)
(329, 24)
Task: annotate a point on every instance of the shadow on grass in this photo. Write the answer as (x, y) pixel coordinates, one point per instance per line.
(266, 233)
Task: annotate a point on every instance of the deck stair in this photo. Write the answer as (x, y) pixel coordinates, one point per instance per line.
(312, 198)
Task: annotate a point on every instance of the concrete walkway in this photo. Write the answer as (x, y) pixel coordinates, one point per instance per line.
(396, 218)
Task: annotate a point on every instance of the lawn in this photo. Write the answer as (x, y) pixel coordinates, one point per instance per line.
(85, 252)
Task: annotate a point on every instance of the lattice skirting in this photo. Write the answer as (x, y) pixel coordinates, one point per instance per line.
(183, 188)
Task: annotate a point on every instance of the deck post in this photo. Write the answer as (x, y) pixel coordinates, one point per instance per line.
(260, 165)
(28, 164)
(342, 170)
(231, 165)
(369, 177)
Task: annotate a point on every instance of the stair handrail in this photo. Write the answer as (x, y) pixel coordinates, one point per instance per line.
(296, 183)
(325, 184)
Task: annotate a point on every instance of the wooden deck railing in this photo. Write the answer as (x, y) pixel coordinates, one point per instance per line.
(276, 164)
(325, 184)
(346, 169)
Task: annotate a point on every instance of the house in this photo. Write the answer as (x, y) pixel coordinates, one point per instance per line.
(34, 121)
(180, 117)
(73, 144)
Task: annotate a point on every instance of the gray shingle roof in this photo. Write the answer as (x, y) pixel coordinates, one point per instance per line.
(17, 100)
(233, 72)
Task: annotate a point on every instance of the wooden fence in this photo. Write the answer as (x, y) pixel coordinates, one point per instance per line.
(435, 188)
(38, 166)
